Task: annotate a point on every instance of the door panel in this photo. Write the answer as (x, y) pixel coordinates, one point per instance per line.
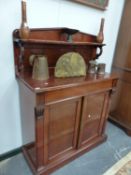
(63, 119)
(92, 116)
(90, 130)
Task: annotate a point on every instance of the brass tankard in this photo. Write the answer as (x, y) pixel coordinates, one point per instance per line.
(40, 67)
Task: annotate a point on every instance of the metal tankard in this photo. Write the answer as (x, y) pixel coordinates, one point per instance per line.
(40, 67)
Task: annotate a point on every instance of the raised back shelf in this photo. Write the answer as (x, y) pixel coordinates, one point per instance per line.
(53, 42)
(57, 34)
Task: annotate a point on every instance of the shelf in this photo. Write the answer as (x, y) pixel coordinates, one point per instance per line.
(53, 43)
(50, 42)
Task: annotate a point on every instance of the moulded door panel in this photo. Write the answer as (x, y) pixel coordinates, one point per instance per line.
(93, 116)
(61, 127)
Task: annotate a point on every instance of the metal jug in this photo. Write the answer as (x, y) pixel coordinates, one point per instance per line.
(92, 67)
(40, 67)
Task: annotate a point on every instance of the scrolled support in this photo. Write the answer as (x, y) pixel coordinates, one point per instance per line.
(100, 52)
(21, 54)
(39, 111)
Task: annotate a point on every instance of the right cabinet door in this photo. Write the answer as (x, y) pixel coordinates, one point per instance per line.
(94, 114)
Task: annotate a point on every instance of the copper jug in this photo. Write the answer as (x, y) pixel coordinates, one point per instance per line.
(40, 67)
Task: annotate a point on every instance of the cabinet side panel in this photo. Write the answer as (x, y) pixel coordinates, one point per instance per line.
(27, 103)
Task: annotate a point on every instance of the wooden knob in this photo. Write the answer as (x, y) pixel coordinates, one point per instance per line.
(89, 116)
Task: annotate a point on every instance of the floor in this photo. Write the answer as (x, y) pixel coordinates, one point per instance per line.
(95, 162)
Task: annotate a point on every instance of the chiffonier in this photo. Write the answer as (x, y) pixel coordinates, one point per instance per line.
(61, 117)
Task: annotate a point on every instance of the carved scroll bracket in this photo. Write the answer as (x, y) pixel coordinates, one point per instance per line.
(100, 52)
(21, 54)
(39, 111)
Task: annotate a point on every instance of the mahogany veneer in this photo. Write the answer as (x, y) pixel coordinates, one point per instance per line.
(62, 117)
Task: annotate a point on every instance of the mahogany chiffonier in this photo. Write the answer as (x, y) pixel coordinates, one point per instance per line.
(61, 117)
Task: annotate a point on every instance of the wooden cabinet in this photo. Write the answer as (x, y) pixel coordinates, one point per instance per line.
(121, 101)
(61, 117)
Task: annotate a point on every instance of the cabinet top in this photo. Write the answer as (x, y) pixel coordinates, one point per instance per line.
(60, 83)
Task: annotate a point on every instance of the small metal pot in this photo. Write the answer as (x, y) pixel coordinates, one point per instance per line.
(92, 67)
(101, 68)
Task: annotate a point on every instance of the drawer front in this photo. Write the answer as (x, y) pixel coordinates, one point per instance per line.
(79, 91)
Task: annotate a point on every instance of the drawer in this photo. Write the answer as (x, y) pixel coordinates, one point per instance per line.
(77, 91)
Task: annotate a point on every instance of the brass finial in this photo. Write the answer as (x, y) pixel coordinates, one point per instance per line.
(24, 29)
(100, 36)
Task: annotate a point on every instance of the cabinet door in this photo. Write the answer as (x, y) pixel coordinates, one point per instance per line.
(61, 128)
(93, 117)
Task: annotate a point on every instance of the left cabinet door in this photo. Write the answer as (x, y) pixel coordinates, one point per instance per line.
(61, 123)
